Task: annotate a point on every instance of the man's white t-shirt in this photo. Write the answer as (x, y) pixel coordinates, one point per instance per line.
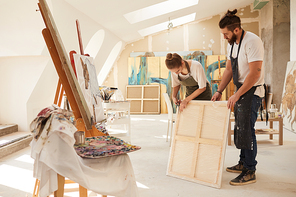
(251, 50)
(196, 71)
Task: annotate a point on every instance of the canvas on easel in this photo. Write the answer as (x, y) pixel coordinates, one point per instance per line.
(84, 121)
(199, 141)
(87, 79)
(288, 97)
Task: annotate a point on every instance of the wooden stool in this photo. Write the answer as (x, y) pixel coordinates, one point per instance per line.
(271, 131)
(60, 191)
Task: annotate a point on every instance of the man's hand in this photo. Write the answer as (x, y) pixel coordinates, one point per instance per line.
(232, 100)
(216, 97)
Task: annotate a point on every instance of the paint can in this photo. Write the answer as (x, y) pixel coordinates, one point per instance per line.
(79, 137)
(272, 115)
(273, 112)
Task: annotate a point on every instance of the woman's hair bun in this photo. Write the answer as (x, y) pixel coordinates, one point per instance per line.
(169, 56)
(231, 13)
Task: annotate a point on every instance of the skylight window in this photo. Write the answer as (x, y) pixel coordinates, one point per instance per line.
(163, 26)
(158, 10)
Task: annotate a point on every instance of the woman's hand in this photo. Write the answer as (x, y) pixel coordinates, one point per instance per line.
(176, 101)
(183, 105)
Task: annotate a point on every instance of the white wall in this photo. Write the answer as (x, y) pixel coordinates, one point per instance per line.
(20, 26)
(44, 91)
(65, 16)
(18, 77)
(28, 78)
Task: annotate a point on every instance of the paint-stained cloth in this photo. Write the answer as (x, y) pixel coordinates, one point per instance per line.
(53, 152)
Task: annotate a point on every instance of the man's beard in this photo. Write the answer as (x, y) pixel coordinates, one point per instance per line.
(232, 39)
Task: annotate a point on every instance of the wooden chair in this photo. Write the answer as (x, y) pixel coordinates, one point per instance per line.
(61, 184)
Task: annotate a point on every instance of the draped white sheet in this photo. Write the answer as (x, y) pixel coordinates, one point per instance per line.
(54, 154)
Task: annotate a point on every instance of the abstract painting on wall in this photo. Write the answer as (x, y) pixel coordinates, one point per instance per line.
(215, 67)
(289, 97)
(143, 70)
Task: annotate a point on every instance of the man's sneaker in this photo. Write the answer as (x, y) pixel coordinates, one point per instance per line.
(246, 177)
(238, 168)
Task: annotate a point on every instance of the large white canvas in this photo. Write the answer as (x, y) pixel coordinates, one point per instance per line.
(89, 85)
(289, 97)
(199, 140)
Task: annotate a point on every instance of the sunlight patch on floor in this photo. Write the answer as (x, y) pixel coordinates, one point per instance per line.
(139, 119)
(17, 178)
(25, 158)
(3, 142)
(162, 137)
(140, 185)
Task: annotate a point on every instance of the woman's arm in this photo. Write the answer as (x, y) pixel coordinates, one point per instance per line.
(175, 93)
(199, 76)
(197, 92)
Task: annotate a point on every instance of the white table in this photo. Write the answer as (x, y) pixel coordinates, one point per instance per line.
(119, 126)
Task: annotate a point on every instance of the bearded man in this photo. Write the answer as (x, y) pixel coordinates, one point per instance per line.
(244, 65)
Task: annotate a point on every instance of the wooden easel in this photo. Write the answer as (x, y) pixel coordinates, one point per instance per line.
(68, 83)
(66, 74)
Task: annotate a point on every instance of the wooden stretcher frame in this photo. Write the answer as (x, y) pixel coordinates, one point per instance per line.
(199, 142)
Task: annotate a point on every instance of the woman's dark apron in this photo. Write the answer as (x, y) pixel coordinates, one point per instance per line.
(191, 85)
(242, 108)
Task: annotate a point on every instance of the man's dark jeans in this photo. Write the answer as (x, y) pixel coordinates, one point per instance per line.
(248, 157)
